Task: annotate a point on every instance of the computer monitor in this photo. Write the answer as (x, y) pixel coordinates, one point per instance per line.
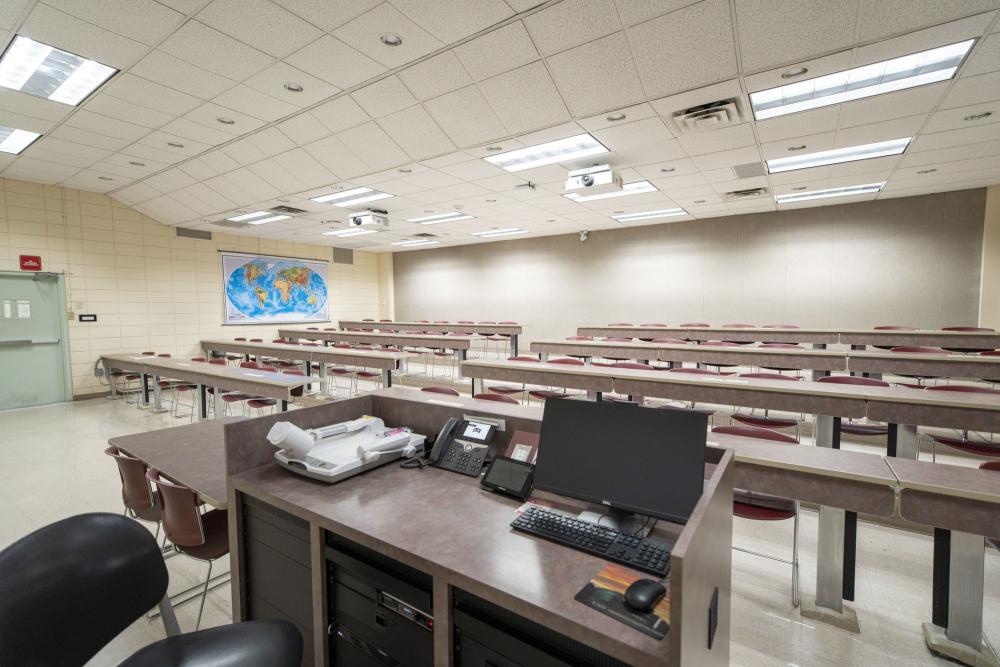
(642, 460)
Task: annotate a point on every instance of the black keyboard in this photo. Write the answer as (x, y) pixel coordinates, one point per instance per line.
(607, 543)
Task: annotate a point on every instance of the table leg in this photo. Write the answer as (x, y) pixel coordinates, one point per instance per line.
(476, 386)
(157, 395)
(111, 381)
(284, 405)
(902, 441)
(544, 357)
(513, 345)
(144, 378)
(956, 629)
(307, 367)
(202, 403)
(387, 377)
(220, 405)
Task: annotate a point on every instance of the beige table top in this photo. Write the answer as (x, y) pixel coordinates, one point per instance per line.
(478, 327)
(453, 342)
(947, 480)
(296, 352)
(193, 455)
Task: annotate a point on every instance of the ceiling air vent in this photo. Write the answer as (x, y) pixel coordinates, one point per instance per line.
(229, 224)
(425, 235)
(287, 210)
(707, 117)
(739, 195)
(193, 233)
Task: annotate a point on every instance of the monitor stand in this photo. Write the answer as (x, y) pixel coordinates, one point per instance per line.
(627, 522)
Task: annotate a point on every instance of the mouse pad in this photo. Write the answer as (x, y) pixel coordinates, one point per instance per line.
(606, 593)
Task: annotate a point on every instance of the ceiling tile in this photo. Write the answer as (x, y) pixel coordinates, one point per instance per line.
(699, 143)
(638, 11)
(135, 89)
(953, 119)
(229, 190)
(384, 97)
(472, 170)
(912, 42)
(336, 157)
(261, 24)
(374, 146)
(254, 103)
(163, 68)
(973, 90)
(773, 32)
(893, 105)
(598, 76)
(339, 114)
(303, 129)
(879, 18)
(435, 76)
(10, 12)
(466, 117)
(624, 136)
(219, 161)
(874, 132)
(985, 57)
(277, 176)
(974, 134)
(570, 23)
(632, 113)
(189, 130)
(52, 26)
(452, 21)
(170, 180)
(30, 105)
(335, 62)
(416, 133)
(38, 171)
(209, 49)
(813, 143)
(683, 66)
(111, 127)
(525, 99)
(305, 168)
(143, 20)
(208, 114)
(272, 80)
(727, 158)
(497, 51)
(799, 124)
(270, 141)
(161, 140)
(326, 14)
(364, 32)
(248, 181)
(835, 62)
(22, 122)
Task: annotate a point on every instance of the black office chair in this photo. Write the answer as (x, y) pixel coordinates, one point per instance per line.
(71, 587)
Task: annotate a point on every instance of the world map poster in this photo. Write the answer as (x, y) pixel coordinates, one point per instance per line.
(262, 290)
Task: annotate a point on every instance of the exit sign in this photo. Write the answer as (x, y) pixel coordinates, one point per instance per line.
(31, 262)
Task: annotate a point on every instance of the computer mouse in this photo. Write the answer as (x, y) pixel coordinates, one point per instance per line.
(644, 594)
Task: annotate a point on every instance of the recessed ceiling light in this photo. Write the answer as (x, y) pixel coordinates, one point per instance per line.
(136, 164)
(391, 39)
(551, 152)
(792, 73)
(491, 201)
(405, 170)
(105, 178)
(45, 71)
(351, 197)
(450, 216)
(667, 170)
(927, 171)
(551, 220)
(979, 116)
(494, 149)
(243, 217)
(800, 188)
(838, 155)
(226, 121)
(634, 188)
(14, 141)
(415, 242)
(500, 232)
(830, 192)
(650, 215)
(174, 144)
(343, 233)
(887, 76)
(615, 117)
(293, 87)
(699, 201)
(800, 147)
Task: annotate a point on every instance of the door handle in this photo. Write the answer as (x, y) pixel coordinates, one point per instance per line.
(16, 342)
(43, 341)
(29, 341)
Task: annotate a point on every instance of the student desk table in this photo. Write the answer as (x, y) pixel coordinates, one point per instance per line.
(512, 330)
(251, 381)
(387, 362)
(460, 344)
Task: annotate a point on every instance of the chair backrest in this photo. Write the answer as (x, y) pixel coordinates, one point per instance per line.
(507, 322)
(240, 339)
(137, 494)
(621, 324)
(166, 355)
(739, 325)
(695, 325)
(149, 354)
(964, 388)
(990, 465)
(770, 376)
(717, 343)
(568, 362)
(853, 379)
(198, 359)
(653, 324)
(181, 518)
(256, 340)
(782, 346)
(71, 587)
(781, 326)
(579, 338)
(385, 320)
(268, 369)
(523, 359)
(633, 365)
(447, 391)
(982, 329)
(894, 327)
(694, 371)
(990, 353)
(917, 349)
(669, 341)
(618, 339)
(497, 398)
(466, 322)
(756, 432)
(297, 391)
(217, 362)
(249, 364)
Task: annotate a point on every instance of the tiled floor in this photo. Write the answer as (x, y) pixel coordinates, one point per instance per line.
(52, 466)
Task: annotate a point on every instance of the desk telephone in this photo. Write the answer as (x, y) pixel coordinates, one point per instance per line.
(462, 446)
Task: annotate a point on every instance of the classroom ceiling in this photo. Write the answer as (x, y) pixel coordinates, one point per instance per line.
(477, 77)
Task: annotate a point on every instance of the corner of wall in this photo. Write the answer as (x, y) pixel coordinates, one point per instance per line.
(989, 288)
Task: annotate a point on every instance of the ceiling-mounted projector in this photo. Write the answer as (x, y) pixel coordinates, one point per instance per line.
(369, 218)
(594, 180)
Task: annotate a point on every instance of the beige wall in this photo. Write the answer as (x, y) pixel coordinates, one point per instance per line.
(989, 308)
(905, 261)
(150, 289)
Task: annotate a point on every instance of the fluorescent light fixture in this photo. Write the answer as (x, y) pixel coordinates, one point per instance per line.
(45, 71)
(343, 233)
(635, 188)
(14, 141)
(838, 155)
(500, 232)
(649, 215)
(451, 216)
(351, 197)
(273, 218)
(829, 192)
(551, 152)
(415, 242)
(249, 216)
(887, 76)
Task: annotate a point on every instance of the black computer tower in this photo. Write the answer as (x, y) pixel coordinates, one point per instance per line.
(380, 610)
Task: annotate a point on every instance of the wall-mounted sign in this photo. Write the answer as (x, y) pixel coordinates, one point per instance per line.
(87, 318)
(30, 262)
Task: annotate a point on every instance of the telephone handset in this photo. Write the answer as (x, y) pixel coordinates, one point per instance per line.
(462, 446)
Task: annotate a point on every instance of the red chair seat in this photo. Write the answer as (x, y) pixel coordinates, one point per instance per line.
(854, 428)
(235, 398)
(504, 390)
(969, 446)
(546, 394)
(760, 513)
(765, 422)
(369, 374)
(216, 544)
(261, 402)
